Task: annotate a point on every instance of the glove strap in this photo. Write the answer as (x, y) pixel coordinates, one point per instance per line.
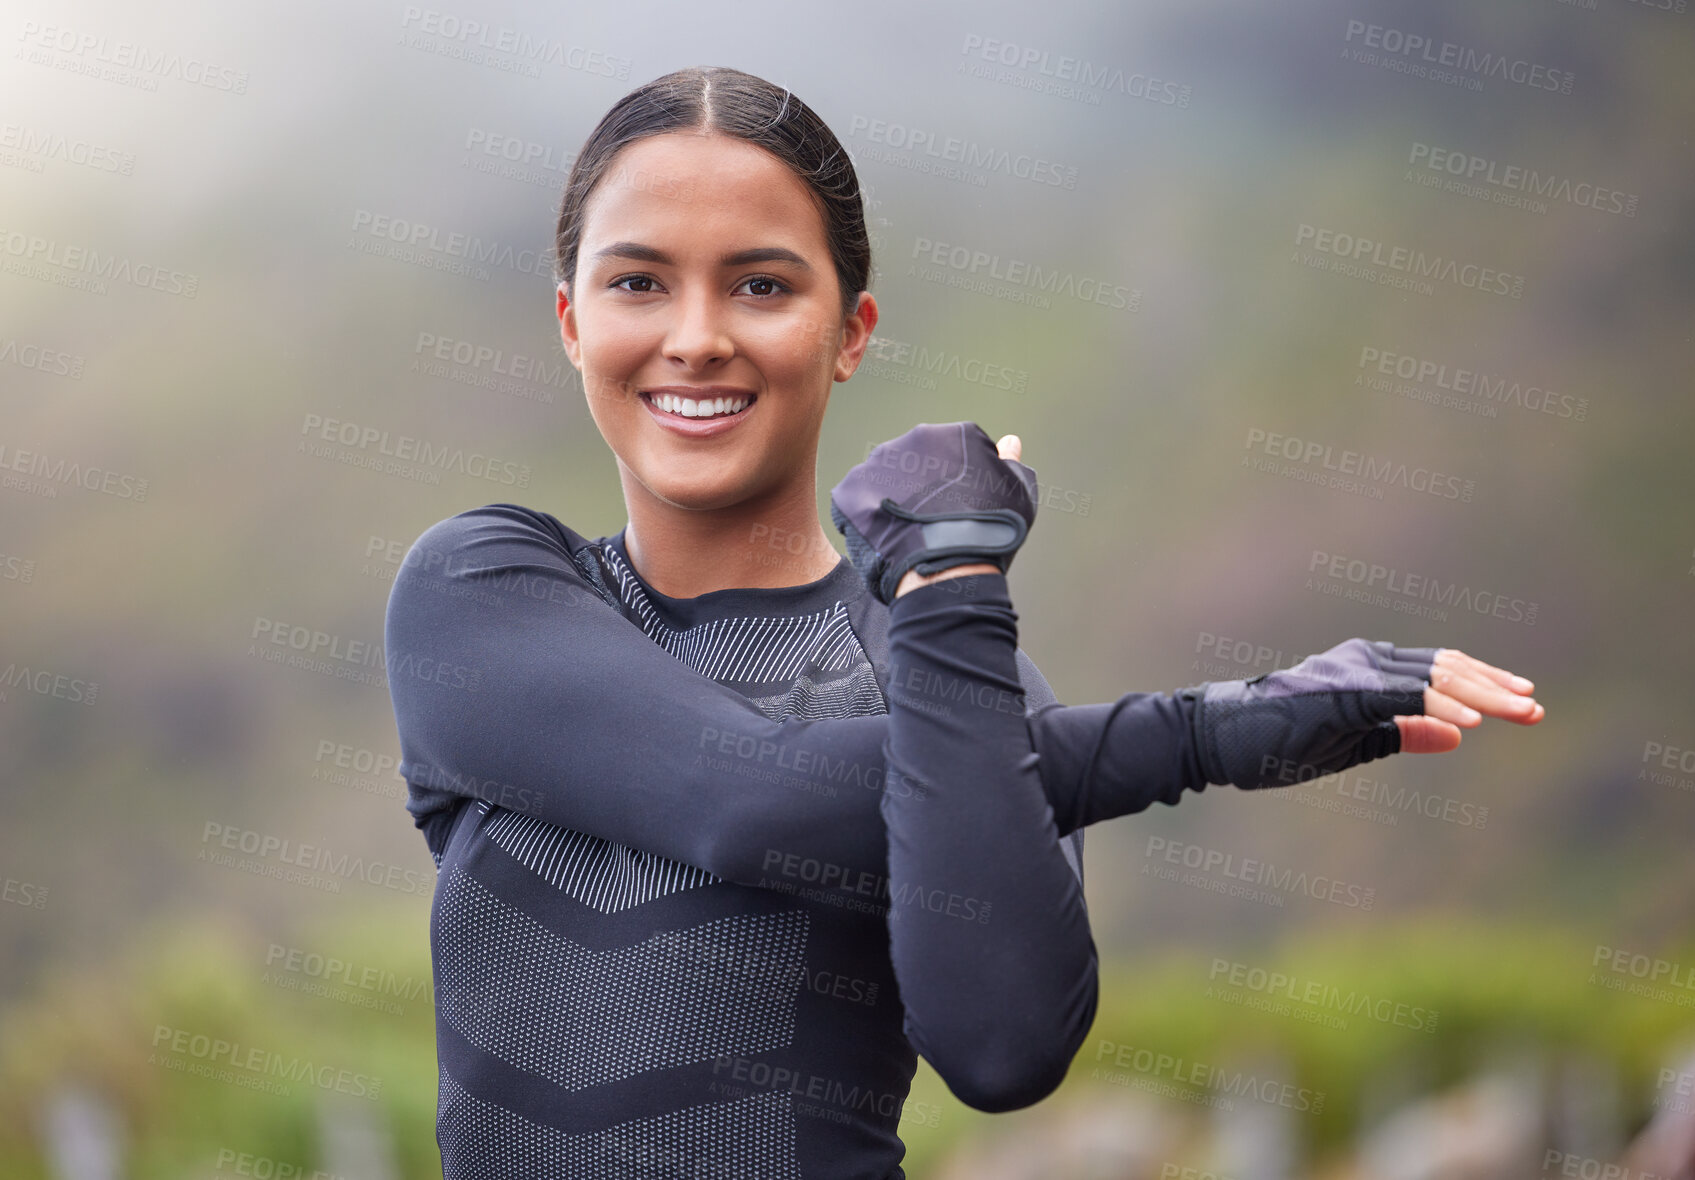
(956, 538)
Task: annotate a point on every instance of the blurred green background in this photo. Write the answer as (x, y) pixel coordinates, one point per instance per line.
(190, 285)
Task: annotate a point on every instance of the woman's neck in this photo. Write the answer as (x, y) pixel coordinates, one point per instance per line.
(684, 553)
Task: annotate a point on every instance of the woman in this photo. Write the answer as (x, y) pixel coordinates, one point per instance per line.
(727, 825)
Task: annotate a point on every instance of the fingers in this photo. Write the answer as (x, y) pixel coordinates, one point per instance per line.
(1454, 657)
(1427, 735)
(1443, 707)
(1466, 690)
(1010, 446)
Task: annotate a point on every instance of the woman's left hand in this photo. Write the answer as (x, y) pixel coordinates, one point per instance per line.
(1463, 690)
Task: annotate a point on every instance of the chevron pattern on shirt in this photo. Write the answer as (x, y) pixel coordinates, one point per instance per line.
(751, 1138)
(721, 988)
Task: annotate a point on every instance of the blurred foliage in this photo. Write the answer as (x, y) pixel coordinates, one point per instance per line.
(1491, 987)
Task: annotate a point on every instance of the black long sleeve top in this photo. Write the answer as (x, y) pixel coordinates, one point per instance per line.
(711, 870)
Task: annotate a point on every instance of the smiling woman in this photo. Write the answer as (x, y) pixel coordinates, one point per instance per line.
(712, 263)
(729, 828)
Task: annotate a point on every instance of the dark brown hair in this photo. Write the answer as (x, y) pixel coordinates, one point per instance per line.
(728, 101)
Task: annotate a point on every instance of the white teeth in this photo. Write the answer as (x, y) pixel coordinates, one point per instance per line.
(690, 408)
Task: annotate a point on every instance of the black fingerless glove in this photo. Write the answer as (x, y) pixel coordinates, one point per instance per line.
(938, 496)
(1329, 712)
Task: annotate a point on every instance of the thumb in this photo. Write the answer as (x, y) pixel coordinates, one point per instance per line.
(1427, 735)
(1010, 447)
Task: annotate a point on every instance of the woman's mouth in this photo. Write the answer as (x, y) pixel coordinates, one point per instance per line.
(698, 417)
(710, 407)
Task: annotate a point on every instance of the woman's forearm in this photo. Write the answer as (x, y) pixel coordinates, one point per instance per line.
(988, 932)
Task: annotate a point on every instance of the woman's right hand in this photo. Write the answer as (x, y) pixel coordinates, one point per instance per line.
(939, 497)
(1009, 447)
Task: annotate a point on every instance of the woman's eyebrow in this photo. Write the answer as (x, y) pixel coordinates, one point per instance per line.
(641, 253)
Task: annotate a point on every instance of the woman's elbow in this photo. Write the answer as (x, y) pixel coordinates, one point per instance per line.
(996, 1079)
(1017, 1068)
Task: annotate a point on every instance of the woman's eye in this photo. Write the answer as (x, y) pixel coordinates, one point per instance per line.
(634, 279)
(765, 286)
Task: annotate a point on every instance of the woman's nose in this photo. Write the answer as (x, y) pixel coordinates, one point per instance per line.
(699, 331)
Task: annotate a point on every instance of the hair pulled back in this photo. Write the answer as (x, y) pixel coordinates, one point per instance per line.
(729, 102)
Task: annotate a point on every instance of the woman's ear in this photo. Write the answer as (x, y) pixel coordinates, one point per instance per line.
(568, 327)
(856, 334)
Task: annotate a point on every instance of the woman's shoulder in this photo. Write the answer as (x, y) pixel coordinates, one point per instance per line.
(507, 538)
(494, 522)
(499, 548)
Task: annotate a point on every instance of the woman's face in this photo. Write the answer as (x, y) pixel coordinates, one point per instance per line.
(703, 272)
